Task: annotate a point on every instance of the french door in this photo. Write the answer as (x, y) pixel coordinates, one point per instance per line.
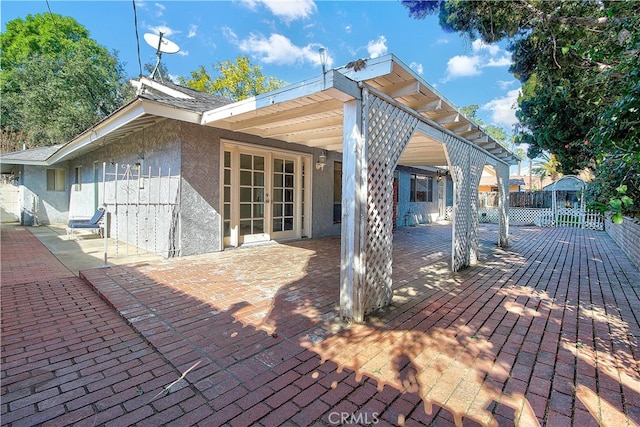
(263, 195)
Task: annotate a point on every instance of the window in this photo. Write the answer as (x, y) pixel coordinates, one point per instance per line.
(421, 188)
(337, 192)
(56, 179)
(77, 178)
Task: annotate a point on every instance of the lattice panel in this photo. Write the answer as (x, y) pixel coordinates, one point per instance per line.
(502, 173)
(388, 131)
(458, 153)
(466, 164)
(477, 160)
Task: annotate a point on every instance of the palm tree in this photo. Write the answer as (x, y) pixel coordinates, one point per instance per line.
(546, 166)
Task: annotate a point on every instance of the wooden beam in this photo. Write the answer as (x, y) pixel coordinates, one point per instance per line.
(448, 118)
(465, 128)
(429, 106)
(289, 114)
(480, 138)
(405, 89)
(302, 127)
(354, 214)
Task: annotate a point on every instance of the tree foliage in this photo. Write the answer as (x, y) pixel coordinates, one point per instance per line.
(236, 81)
(55, 80)
(496, 132)
(579, 64)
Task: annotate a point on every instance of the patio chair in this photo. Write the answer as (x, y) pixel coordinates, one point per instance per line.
(87, 224)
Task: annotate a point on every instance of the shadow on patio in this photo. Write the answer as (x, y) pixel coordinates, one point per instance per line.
(541, 333)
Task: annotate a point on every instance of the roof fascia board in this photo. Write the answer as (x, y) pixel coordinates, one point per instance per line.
(375, 67)
(333, 82)
(392, 58)
(121, 118)
(161, 88)
(23, 162)
(126, 115)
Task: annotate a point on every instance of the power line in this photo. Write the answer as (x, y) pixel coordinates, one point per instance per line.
(135, 20)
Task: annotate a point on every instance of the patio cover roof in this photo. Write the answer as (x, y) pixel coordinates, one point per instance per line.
(311, 112)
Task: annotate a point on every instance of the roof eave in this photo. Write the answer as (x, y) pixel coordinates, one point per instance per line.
(126, 115)
(340, 86)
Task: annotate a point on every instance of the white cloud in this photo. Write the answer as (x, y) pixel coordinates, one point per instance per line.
(230, 35)
(502, 61)
(347, 29)
(485, 55)
(278, 49)
(193, 30)
(462, 66)
(504, 109)
(478, 46)
(167, 31)
(286, 10)
(160, 9)
(442, 41)
(377, 47)
(418, 68)
(506, 84)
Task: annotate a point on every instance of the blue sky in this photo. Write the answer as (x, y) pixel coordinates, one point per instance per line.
(283, 37)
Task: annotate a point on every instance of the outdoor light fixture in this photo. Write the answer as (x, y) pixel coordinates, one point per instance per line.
(322, 161)
(324, 57)
(438, 177)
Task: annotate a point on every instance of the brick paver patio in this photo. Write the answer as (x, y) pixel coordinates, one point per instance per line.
(542, 333)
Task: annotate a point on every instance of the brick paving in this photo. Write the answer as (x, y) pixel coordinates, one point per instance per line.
(67, 357)
(543, 333)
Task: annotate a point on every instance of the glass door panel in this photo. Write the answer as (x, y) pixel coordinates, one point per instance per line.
(284, 215)
(252, 198)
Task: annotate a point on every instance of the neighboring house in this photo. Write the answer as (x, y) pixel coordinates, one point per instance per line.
(352, 152)
(32, 191)
(489, 182)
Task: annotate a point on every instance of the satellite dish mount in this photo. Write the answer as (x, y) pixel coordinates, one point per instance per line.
(161, 45)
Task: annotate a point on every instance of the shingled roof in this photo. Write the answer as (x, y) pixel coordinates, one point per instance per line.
(38, 154)
(186, 98)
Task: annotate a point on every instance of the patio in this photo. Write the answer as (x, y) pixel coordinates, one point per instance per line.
(543, 332)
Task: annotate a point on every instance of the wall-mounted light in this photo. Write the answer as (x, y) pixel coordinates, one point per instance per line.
(322, 161)
(438, 176)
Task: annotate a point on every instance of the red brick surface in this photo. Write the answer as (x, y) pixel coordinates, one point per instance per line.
(543, 332)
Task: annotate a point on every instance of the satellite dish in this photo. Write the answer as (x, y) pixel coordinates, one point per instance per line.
(161, 45)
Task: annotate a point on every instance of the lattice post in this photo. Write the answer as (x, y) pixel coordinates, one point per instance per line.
(465, 163)
(367, 202)
(502, 173)
(353, 212)
(477, 160)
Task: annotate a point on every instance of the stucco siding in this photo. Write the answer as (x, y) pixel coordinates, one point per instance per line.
(51, 207)
(200, 192)
(413, 213)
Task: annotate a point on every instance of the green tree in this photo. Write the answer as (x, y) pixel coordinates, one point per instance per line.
(579, 67)
(496, 132)
(55, 80)
(236, 81)
(162, 73)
